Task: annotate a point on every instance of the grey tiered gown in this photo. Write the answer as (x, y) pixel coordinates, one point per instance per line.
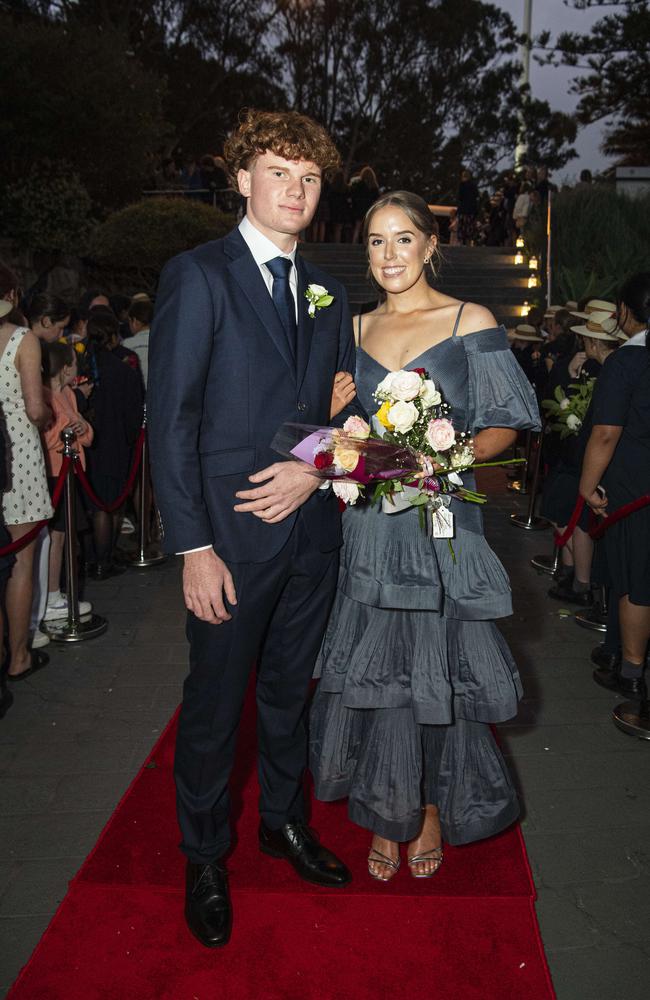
(413, 668)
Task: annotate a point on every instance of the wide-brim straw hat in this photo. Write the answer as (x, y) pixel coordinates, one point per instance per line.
(595, 305)
(5, 307)
(571, 305)
(524, 331)
(597, 327)
(551, 311)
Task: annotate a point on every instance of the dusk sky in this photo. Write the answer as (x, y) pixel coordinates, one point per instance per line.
(553, 84)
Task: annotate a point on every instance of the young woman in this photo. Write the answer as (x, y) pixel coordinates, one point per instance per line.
(413, 669)
(60, 363)
(615, 472)
(27, 500)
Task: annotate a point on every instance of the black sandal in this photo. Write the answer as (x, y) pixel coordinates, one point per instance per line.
(39, 660)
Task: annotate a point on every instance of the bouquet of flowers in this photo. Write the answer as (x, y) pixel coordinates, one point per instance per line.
(567, 413)
(411, 453)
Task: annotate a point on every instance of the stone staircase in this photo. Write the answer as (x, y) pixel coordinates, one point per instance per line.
(487, 275)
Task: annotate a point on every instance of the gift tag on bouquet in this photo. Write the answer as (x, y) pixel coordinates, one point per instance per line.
(442, 523)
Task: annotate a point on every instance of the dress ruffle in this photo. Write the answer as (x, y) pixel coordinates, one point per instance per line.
(389, 562)
(498, 394)
(387, 764)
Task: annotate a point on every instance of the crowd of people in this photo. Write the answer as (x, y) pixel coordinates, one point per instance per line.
(589, 350)
(517, 207)
(82, 368)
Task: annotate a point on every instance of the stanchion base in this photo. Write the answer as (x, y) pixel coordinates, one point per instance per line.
(592, 618)
(138, 562)
(547, 564)
(633, 718)
(89, 627)
(529, 524)
(516, 486)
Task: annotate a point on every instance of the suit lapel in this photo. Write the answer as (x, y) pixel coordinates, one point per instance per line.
(305, 322)
(247, 275)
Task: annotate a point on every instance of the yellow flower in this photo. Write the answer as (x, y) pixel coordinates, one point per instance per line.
(382, 415)
(79, 347)
(346, 458)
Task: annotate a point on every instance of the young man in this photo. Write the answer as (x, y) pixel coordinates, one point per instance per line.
(234, 354)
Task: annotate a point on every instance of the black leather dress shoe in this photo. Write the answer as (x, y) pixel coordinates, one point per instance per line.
(565, 592)
(296, 843)
(606, 661)
(633, 688)
(207, 904)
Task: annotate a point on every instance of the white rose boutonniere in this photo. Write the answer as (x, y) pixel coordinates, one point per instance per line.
(318, 298)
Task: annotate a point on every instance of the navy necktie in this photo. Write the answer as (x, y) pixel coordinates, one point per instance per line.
(283, 300)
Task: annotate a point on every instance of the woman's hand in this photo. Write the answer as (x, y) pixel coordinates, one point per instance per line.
(78, 427)
(343, 392)
(598, 501)
(576, 363)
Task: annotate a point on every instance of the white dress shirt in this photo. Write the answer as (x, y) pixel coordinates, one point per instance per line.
(263, 249)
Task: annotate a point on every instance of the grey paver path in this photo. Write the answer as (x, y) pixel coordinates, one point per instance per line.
(78, 731)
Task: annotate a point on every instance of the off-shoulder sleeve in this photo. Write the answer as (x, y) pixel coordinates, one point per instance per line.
(499, 394)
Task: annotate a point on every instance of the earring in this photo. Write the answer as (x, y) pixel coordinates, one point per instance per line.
(426, 260)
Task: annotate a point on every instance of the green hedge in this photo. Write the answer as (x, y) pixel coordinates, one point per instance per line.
(48, 210)
(130, 248)
(600, 238)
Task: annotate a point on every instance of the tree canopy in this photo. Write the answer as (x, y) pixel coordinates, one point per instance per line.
(613, 74)
(417, 88)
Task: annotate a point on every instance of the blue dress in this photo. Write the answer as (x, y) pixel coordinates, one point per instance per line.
(413, 669)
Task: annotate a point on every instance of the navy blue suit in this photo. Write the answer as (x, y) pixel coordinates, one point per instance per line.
(222, 380)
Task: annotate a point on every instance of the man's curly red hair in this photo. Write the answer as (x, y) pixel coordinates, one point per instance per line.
(289, 134)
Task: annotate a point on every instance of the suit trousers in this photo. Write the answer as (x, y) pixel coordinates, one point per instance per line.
(278, 621)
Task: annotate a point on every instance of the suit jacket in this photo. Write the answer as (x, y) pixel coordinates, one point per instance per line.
(222, 380)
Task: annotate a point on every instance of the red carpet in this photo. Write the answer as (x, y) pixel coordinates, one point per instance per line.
(468, 934)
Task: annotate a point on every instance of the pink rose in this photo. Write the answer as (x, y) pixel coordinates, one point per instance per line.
(440, 434)
(356, 427)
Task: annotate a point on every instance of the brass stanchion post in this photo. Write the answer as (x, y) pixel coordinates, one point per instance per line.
(548, 563)
(520, 485)
(594, 618)
(73, 629)
(531, 522)
(144, 556)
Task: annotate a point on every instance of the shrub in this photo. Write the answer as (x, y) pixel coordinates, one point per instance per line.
(135, 243)
(599, 239)
(48, 210)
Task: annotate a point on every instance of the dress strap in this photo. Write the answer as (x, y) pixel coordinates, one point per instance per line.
(459, 314)
(359, 330)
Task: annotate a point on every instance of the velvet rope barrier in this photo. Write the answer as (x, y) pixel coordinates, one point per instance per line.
(110, 508)
(599, 530)
(20, 543)
(619, 515)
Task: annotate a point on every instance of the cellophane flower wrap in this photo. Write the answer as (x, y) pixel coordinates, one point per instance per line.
(410, 453)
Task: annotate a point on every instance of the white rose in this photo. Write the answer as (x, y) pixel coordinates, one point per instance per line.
(573, 423)
(429, 394)
(347, 492)
(405, 385)
(564, 405)
(385, 387)
(403, 416)
(318, 290)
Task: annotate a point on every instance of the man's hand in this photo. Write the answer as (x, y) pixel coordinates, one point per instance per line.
(206, 579)
(343, 392)
(286, 486)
